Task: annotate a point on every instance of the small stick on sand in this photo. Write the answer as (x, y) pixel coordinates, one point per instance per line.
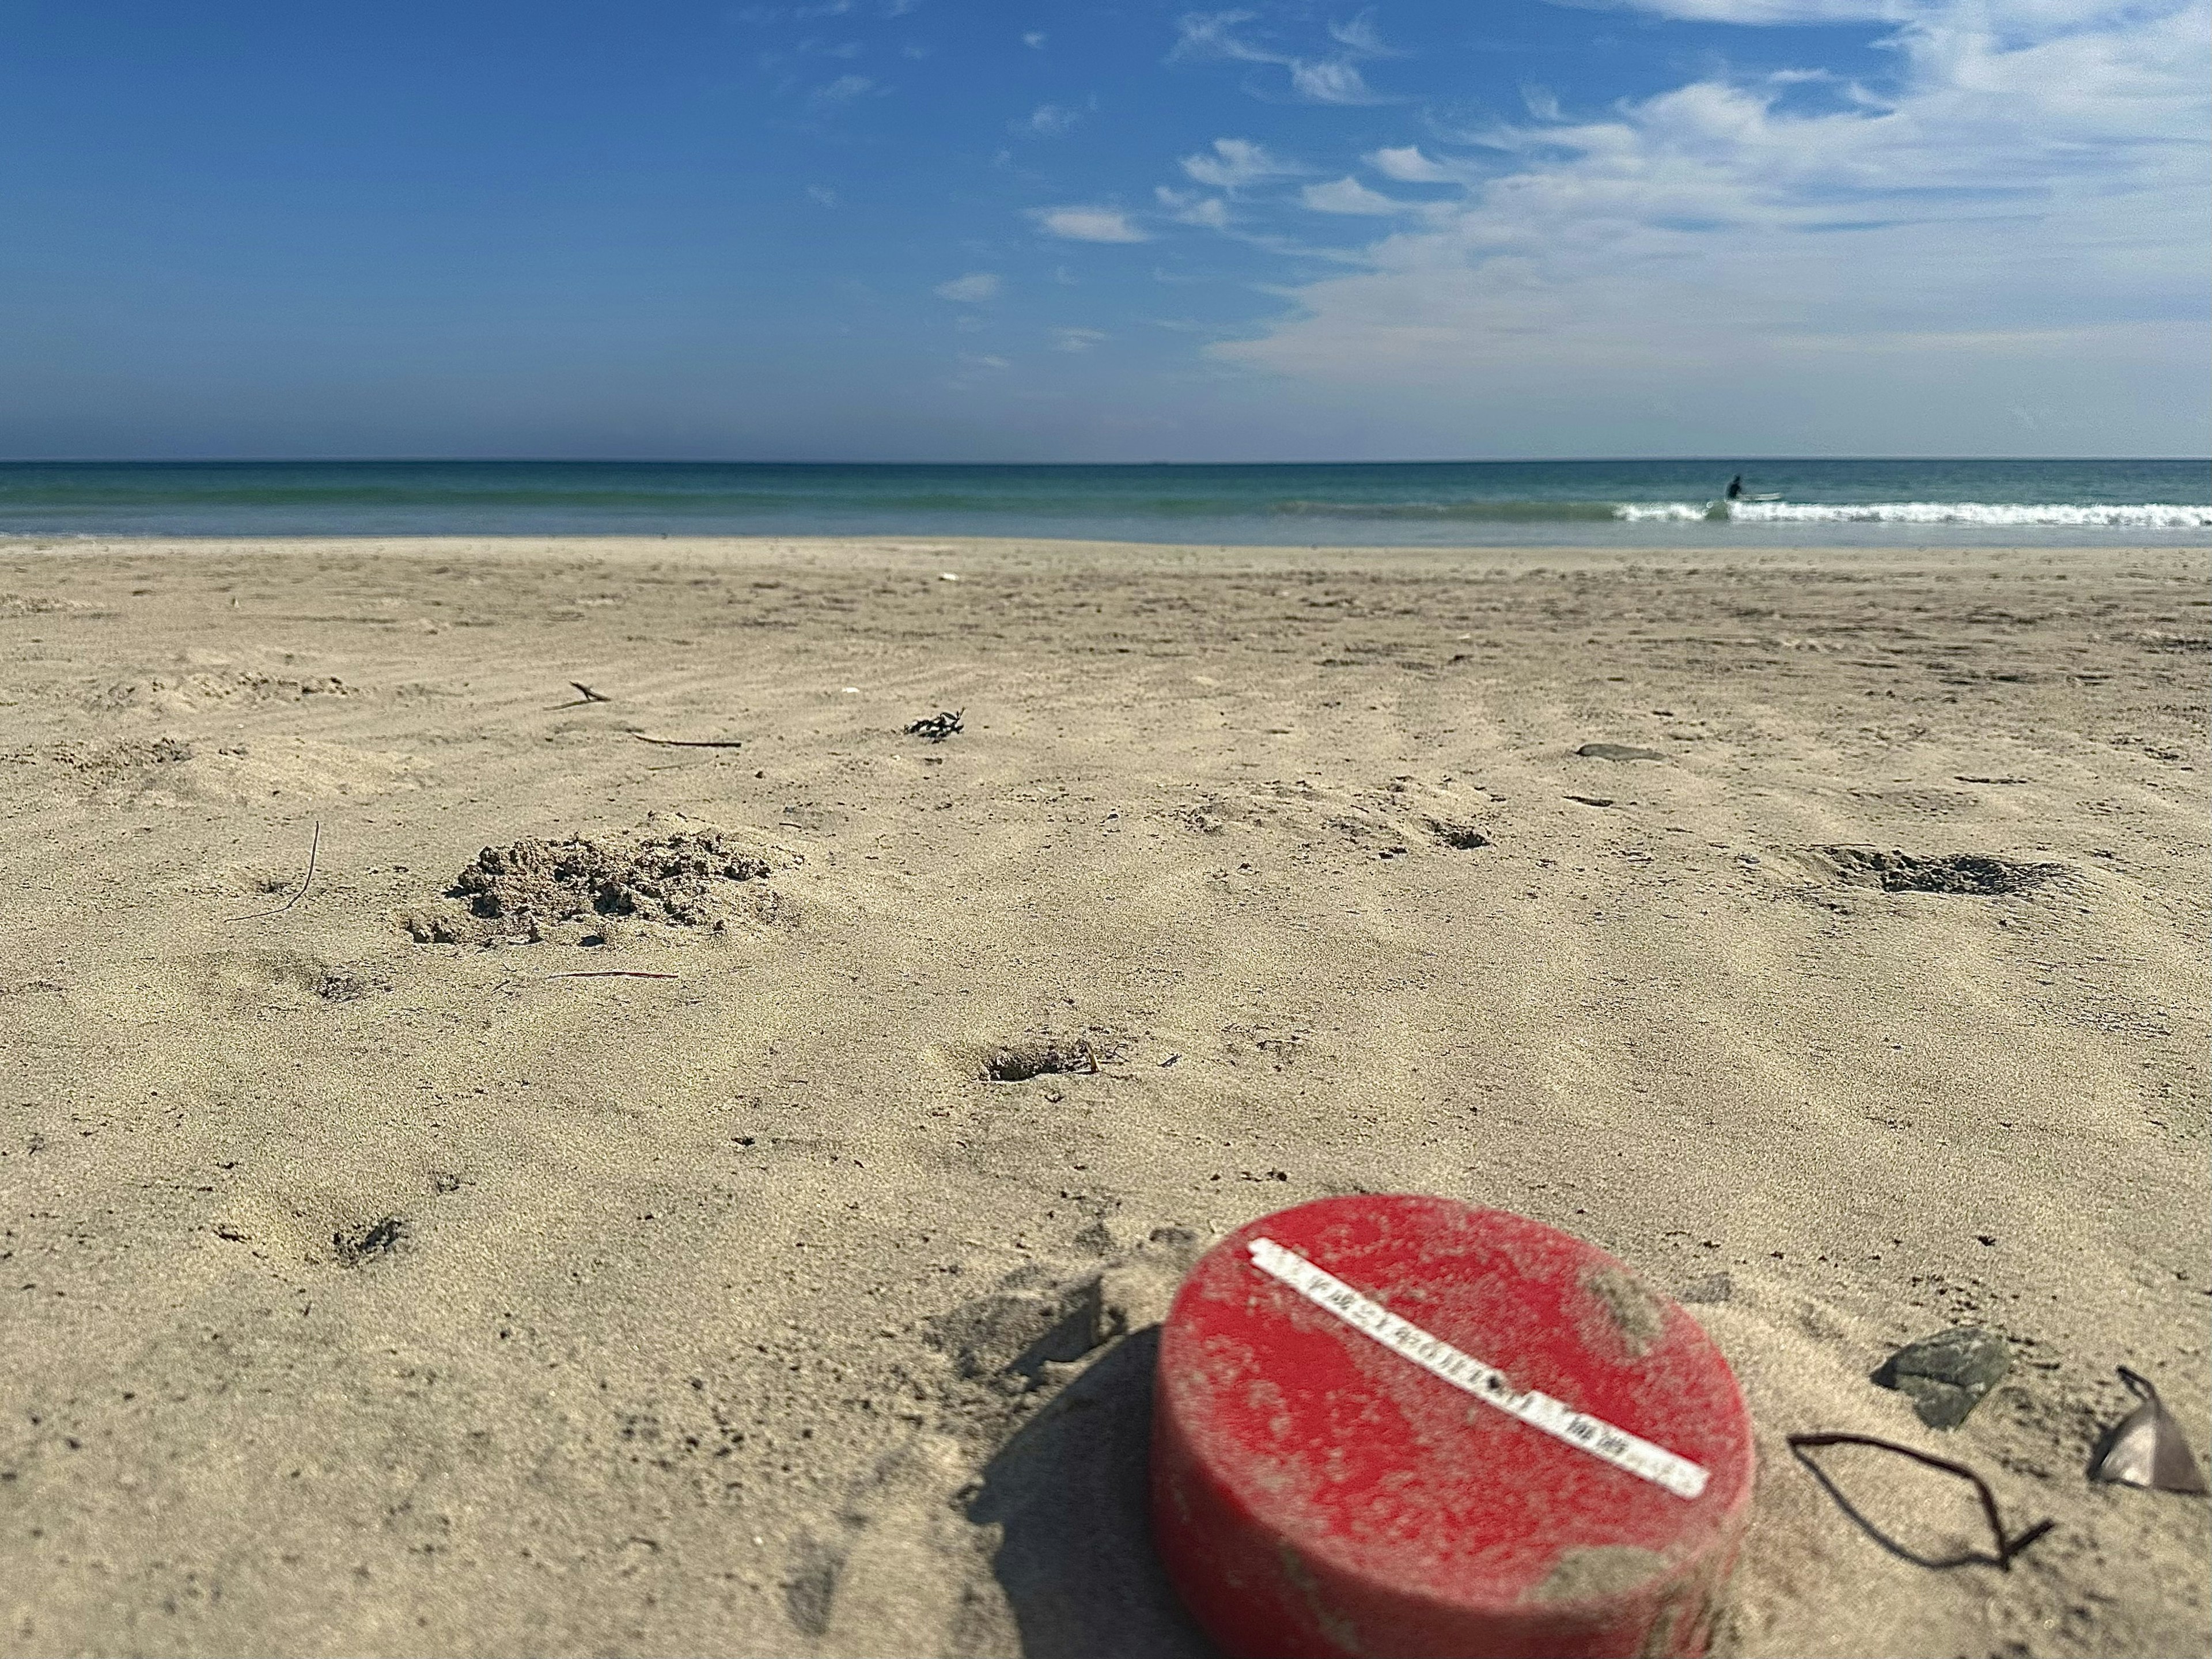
(691, 743)
(314, 847)
(590, 696)
(611, 972)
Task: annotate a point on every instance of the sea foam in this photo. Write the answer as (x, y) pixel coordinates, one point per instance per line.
(2144, 515)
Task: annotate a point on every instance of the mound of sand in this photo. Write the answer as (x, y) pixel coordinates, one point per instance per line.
(671, 873)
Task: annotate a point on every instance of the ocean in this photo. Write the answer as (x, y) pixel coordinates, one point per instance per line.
(1445, 503)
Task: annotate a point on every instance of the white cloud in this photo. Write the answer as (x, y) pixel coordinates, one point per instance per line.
(1332, 82)
(984, 359)
(1202, 37)
(1089, 224)
(1235, 162)
(1035, 39)
(822, 194)
(1201, 34)
(1409, 167)
(1756, 12)
(971, 289)
(845, 88)
(1076, 339)
(1348, 194)
(1189, 208)
(1050, 120)
(2026, 210)
(1360, 36)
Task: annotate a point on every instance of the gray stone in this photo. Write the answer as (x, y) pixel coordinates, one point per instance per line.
(1945, 1375)
(1617, 751)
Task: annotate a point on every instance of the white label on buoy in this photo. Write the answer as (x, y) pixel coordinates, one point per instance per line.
(1486, 1382)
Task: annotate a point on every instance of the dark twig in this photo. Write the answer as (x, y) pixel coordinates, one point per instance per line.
(612, 973)
(590, 696)
(2006, 1548)
(691, 743)
(314, 847)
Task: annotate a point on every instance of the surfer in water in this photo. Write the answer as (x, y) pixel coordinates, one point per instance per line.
(1736, 488)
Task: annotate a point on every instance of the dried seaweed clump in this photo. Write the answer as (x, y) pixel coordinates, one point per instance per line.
(652, 878)
(674, 873)
(1976, 874)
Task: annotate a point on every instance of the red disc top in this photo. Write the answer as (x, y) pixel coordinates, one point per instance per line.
(1318, 1490)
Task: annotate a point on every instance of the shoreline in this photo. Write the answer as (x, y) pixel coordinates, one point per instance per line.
(692, 1330)
(921, 550)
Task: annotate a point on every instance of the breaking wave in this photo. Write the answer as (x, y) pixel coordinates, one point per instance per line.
(2145, 515)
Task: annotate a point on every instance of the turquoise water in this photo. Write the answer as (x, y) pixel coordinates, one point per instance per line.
(1432, 503)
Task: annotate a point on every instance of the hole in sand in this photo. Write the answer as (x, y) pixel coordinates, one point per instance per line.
(1017, 1062)
(376, 1239)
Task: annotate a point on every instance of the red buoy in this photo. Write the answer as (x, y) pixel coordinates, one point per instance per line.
(1400, 1426)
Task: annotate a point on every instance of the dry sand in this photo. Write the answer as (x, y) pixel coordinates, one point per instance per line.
(709, 1319)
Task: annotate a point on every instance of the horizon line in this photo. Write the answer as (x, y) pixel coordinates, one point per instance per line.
(681, 460)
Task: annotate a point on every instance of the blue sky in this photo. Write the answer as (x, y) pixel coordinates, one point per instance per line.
(912, 229)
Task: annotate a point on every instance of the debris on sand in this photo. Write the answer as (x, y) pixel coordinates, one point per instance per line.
(353, 1248)
(671, 873)
(1945, 1375)
(2146, 1447)
(690, 743)
(314, 852)
(1045, 1056)
(1982, 874)
(660, 877)
(1617, 751)
(1464, 836)
(937, 727)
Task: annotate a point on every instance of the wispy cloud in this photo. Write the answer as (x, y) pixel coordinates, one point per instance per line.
(1089, 224)
(1050, 120)
(1035, 39)
(975, 287)
(1234, 163)
(1333, 78)
(1203, 34)
(1409, 167)
(1077, 339)
(845, 88)
(1189, 208)
(822, 194)
(1360, 37)
(1348, 194)
(1333, 83)
(1756, 12)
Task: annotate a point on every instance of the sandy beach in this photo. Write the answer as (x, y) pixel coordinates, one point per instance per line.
(384, 1276)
